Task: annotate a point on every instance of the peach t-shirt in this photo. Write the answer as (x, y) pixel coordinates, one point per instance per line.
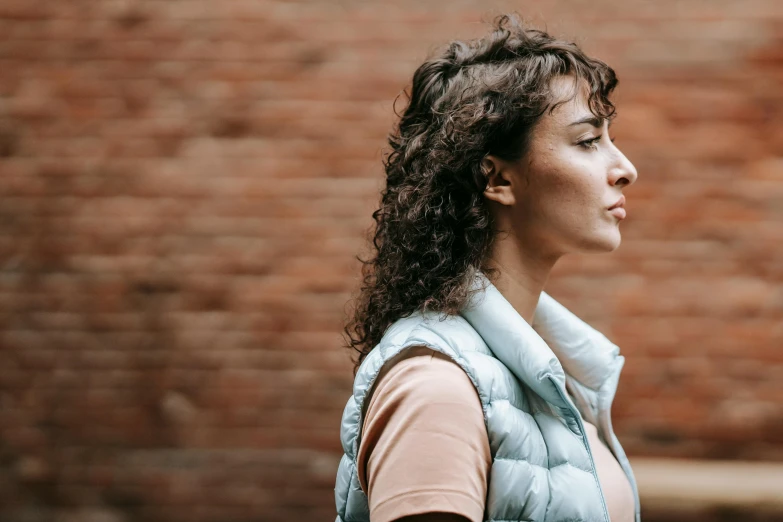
(424, 445)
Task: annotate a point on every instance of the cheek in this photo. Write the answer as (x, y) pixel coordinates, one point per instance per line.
(568, 184)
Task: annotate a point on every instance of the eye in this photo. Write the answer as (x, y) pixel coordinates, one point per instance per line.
(590, 144)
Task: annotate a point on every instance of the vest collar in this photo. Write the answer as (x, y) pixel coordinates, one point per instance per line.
(558, 345)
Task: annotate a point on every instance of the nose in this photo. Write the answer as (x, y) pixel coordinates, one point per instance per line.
(623, 172)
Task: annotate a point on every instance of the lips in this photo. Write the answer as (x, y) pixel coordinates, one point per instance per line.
(617, 209)
(620, 203)
(618, 212)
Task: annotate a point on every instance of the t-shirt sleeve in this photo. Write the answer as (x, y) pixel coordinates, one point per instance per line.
(424, 445)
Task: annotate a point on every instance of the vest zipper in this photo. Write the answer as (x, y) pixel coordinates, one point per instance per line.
(575, 413)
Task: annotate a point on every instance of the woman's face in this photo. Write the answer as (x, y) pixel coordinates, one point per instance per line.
(558, 195)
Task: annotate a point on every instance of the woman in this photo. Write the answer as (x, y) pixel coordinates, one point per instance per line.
(477, 396)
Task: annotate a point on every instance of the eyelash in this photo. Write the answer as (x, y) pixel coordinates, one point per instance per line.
(590, 144)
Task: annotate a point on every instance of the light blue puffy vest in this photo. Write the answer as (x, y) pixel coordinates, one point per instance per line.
(536, 385)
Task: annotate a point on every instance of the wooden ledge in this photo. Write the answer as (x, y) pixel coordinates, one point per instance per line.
(698, 484)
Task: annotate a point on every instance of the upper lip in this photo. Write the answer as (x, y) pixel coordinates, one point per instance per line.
(620, 203)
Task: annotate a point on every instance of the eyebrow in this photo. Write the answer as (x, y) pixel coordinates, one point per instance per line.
(592, 120)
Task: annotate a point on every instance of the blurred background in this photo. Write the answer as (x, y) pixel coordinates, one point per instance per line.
(185, 184)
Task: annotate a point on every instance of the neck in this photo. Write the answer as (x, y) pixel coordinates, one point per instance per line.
(522, 275)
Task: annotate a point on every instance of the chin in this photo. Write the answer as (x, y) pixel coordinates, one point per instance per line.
(612, 241)
(607, 242)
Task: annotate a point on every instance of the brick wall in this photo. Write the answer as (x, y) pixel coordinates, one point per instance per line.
(184, 185)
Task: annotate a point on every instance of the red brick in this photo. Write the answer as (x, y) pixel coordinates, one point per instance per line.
(185, 186)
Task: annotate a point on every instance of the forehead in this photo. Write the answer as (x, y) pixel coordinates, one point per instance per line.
(569, 100)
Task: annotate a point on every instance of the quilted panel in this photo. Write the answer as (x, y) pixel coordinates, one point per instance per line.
(513, 433)
(564, 445)
(574, 495)
(496, 380)
(518, 490)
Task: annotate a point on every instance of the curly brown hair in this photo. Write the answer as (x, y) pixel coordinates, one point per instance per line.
(433, 228)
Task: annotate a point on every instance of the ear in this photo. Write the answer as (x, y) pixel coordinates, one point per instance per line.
(499, 178)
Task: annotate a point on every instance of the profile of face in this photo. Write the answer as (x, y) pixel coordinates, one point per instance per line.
(556, 199)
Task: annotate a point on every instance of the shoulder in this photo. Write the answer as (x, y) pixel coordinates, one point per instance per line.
(423, 375)
(451, 334)
(423, 396)
(424, 444)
